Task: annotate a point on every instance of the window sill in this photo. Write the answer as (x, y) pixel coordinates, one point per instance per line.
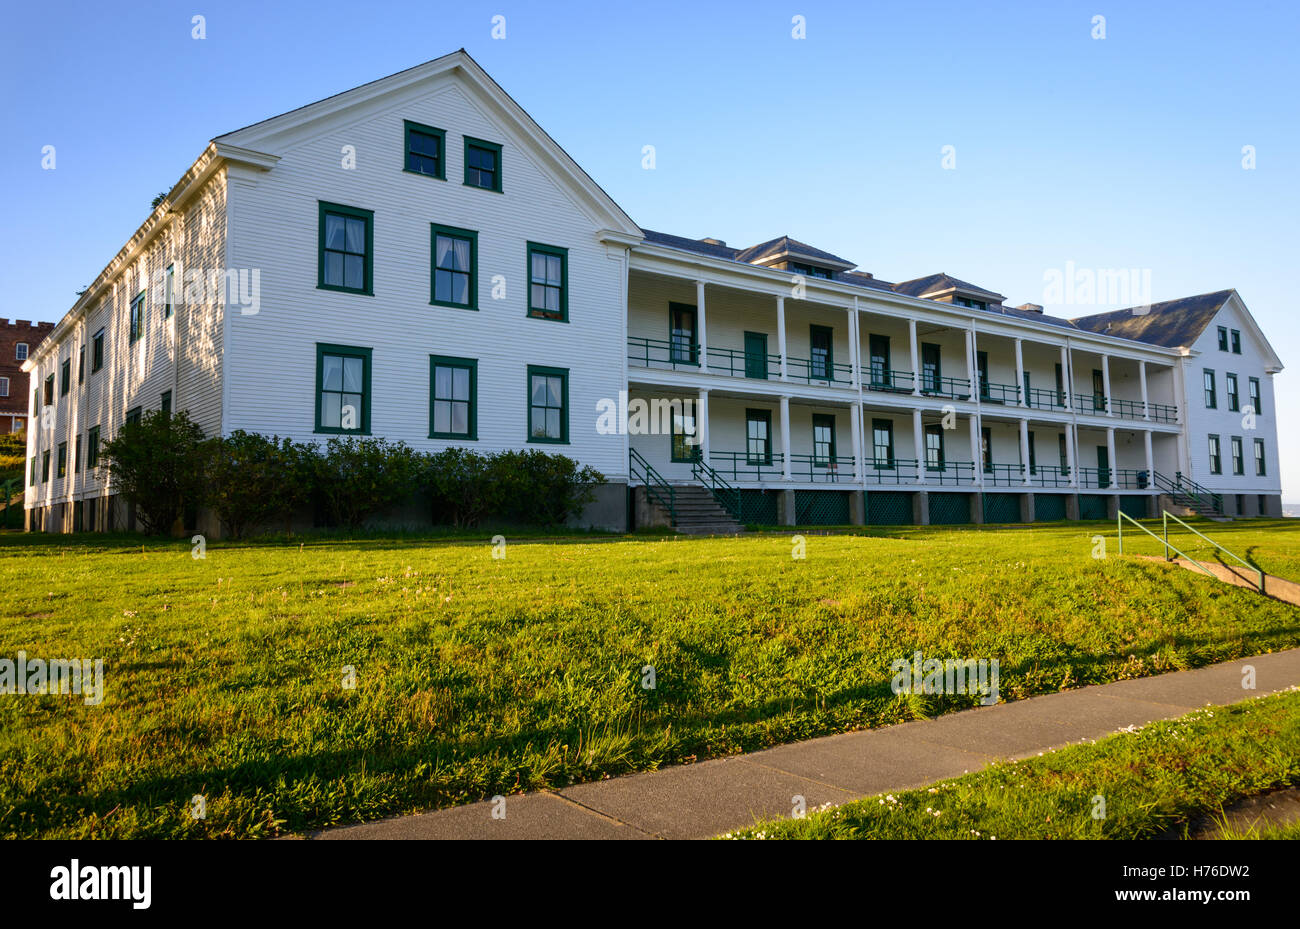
(325, 430)
(453, 437)
(453, 306)
(533, 314)
(534, 441)
(363, 292)
(434, 177)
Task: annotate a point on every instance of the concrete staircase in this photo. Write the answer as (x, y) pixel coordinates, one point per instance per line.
(698, 513)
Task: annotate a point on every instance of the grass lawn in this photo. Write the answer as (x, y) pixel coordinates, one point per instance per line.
(477, 676)
(1156, 781)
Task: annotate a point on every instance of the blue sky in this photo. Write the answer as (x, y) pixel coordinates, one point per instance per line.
(1123, 152)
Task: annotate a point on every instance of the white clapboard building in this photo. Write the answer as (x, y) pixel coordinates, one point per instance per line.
(416, 259)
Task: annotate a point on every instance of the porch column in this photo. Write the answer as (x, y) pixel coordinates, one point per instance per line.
(1142, 380)
(1070, 456)
(855, 350)
(1105, 384)
(975, 450)
(1024, 449)
(699, 316)
(916, 364)
(1067, 379)
(1151, 460)
(918, 445)
(855, 424)
(785, 438)
(970, 363)
(702, 425)
(1110, 456)
(1020, 375)
(780, 336)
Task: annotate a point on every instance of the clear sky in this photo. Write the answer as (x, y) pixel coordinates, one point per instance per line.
(1122, 152)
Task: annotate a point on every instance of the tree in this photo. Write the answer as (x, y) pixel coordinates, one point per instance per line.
(253, 479)
(157, 463)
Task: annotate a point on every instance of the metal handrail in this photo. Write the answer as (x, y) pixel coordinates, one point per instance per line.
(655, 485)
(727, 496)
(1119, 523)
(1168, 516)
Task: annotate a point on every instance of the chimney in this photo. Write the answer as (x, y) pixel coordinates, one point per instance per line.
(1030, 308)
(718, 242)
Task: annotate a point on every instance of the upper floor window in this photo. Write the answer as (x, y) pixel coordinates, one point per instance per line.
(548, 404)
(548, 273)
(169, 291)
(4, 386)
(1236, 342)
(972, 304)
(134, 415)
(1254, 396)
(97, 352)
(1230, 384)
(425, 150)
(81, 365)
(342, 389)
(822, 364)
(49, 390)
(808, 270)
(452, 398)
(346, 260)
(682, 347)
(137, 317)
(482, 164)
(65, 376)
(1216, 461)
(1211, 395)
(20, 351)
(92, 447)
(455, 271)
(1223, 338)
(1259, 458)
(1238, 459)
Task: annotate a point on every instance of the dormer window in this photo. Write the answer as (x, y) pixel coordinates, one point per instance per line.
(970, 304)
(807, 270)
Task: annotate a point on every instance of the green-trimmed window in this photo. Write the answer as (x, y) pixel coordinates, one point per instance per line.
(77, 443)
(934, 458)
(62, 466)
(166, 404)
(882, 443)
(137, 317)
(65, 376)
(682, 345)
(133, 415)
(1033, 462)
(1260, 467)
(1230, 386)
(548, 281)
(92, 447)
(1223, 338)
(548, 404)
(342, 389)
(1211, 392)
(45, 466)
(823, 425)
(758, 437)
(820, 340)
(1216, 460)
(1238, 455)
(1254, 396)
(1236, 342)
(455, 267)
(31, 473)
(97, 352)
(347, 245)
(482, 164)
(453, 398)
(49, 389)
(169, 291)
(426, 150)
(685, 437)
(81, 365)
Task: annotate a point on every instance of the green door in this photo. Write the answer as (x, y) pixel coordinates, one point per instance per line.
(1103, 466)
(756, 354)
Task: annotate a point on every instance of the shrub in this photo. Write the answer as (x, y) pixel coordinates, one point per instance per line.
(359, 478)
(157, 463)
(543, 489)
(253, 479)
(461, 485)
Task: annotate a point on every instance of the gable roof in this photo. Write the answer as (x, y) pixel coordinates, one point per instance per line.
(1171, 323)
(567, 171)
(934, 284)
(785, 247)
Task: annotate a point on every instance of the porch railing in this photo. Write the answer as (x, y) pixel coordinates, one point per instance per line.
(810, 371)
(1041, 399)
(740, 466)
(955, 388)
(831, 469)
(998, 393)
(950, 472)
(890, 380)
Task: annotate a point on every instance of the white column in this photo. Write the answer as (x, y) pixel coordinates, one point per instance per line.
(1070, 455)
(1142, 380)
(970, 364)
(1151, 460)
(855, 350)
(916, 363)
(1105, 385)
(785, 438)
(918, 444)
(1020, 375)
(1110, 457)
(855, 423)
(1024, 448)
(780, 339)
(975, 449)
(1067, 385)
(702, 425)
(699, 315)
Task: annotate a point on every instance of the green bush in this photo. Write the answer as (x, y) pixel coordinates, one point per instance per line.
(253, 479)
(356, 479)
(529, 487)
(461, 485)
(158, 463)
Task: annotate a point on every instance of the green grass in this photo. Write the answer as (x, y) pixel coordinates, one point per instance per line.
(1155, 782)
(478, 676)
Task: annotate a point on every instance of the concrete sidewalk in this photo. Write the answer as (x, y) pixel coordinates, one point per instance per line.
(712, 797)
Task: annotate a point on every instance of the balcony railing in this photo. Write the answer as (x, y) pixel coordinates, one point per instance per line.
(661, 352)
(1040, 399)
(950, 472)
(955, 388)
(1004, 475)
(739, 363)
(809, 371)
(998, 393)
(889, 380)
(831, 469)
(891, 470)
(1050, 476)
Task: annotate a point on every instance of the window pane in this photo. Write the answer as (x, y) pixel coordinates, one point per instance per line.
(460, 288)
(329, 412)
(334, 232)
(442, 382)
(442, 416)
(539, 266)
(351, 411)
(460, 380)
(539, 422)
(332, 372)
(538, 390)
(353, 369)
(553, 270)
(356, 235)
(552, 424)
(442, 286)
(553, 299)
(538, 295)
(553, 384)
(461, 252)
(355, 268)
(334, 269)
(460, 418)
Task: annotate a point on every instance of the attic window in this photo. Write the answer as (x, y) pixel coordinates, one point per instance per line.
(1223, 338)
(1236, 342)
(971, 304)
(482, 164)
(807, 270)
(425, 148)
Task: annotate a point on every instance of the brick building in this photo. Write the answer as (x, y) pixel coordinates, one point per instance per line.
(18, 338)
